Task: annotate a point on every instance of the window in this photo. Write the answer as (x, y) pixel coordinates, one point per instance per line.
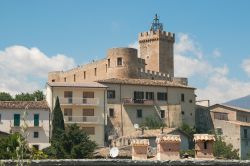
(220, 116)
(36, 119)
(190, 101)
(150, 95)
(64, 79)
(245, 133)
(205, 145)
(108, 62)
(68, 94)
(95, 71)
(84, 74)
(36, 134)
(119, 61)
(162, 113)
(139, 113)
(182, 97)
(74, 78)
(182, 112)
(163, 96)
(88, 95)
(35, 147)
(16, 119)
(53, 80)
(88, 112)
(111, 112)
(68, 114)
(89, 130)
(111, 94)
(138, 95)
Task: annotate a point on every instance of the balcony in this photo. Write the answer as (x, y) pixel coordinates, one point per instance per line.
(79, 101)
(131, 101)
(82, 119)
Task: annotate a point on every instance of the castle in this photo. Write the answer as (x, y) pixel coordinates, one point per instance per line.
(139, 85)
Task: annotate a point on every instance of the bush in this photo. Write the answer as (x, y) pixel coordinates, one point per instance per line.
(152, 123)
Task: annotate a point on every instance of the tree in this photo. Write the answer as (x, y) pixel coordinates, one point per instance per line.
(4, 96)
(152, 123)
(74, 143)
(222, 150)
(38, 95)
(24, 97)
(57, 122)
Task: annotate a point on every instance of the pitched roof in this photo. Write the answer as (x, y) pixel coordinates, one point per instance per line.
(146, 82)
(204, 137)
(139, 142)
(168, 138)
(24, 105)
(77, 84)
(229, 107)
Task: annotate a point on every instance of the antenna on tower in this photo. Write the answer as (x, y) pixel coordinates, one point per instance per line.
(156, 25)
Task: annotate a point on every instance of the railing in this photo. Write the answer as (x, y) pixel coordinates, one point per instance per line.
(79, 101)
(131, 101)
(81, 119)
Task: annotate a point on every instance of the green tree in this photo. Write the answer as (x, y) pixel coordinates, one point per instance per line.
(222, 150)
(38, 95)
(4, 96)
(74, 143)
(10, 147)
(57, 122)
(24, 97)
(152, 123)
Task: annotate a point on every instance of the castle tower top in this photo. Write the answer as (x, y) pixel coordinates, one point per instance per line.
(156, 25)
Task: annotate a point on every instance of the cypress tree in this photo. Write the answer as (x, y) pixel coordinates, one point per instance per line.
(58, 127)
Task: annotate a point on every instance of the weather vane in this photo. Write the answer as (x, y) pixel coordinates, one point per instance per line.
(156, 25)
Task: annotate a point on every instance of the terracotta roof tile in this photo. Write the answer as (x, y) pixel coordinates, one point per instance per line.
(203, 137)
(77, 84)
(146, 82)
(139, 142)
(23, 105)
(168, 138)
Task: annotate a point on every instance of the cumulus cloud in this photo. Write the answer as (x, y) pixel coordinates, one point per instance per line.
(246, 66)
(219, 87)
(23, 68)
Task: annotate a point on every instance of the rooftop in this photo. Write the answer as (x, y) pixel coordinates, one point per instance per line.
(168, 138)
(230, 107)
(23, 105)
(77, 84)
(146, 82)
(204, 137)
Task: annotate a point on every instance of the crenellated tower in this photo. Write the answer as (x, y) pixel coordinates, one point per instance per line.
(157, 48)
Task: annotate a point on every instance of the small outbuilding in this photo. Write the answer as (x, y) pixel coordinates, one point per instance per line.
(204, 146)
(168, 147)
(139, 149)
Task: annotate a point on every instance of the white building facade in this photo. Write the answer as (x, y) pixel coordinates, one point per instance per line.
(83, 104)
(15, 115)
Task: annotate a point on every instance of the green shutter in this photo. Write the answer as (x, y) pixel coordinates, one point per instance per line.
(36, 119)
(16, 119)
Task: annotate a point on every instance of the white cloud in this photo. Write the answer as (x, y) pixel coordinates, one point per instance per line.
(246, 66)
(22, 68)
(216, 53)
(219, 87)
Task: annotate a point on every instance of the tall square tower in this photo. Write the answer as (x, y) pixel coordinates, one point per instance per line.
(157, 48)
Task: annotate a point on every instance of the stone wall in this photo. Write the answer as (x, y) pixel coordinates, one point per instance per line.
(128, 162)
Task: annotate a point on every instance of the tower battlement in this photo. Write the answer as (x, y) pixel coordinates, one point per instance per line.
(156, 35)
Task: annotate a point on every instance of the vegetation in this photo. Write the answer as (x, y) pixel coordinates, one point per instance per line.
(188, 130)
(57, 122)
(5, 96)
(37, 95)
(152, 123)
(74, 143)
(222, 150)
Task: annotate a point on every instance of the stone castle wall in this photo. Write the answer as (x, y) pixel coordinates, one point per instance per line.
(156, 47)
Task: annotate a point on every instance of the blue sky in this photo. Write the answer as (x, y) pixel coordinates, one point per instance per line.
(212, 35)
